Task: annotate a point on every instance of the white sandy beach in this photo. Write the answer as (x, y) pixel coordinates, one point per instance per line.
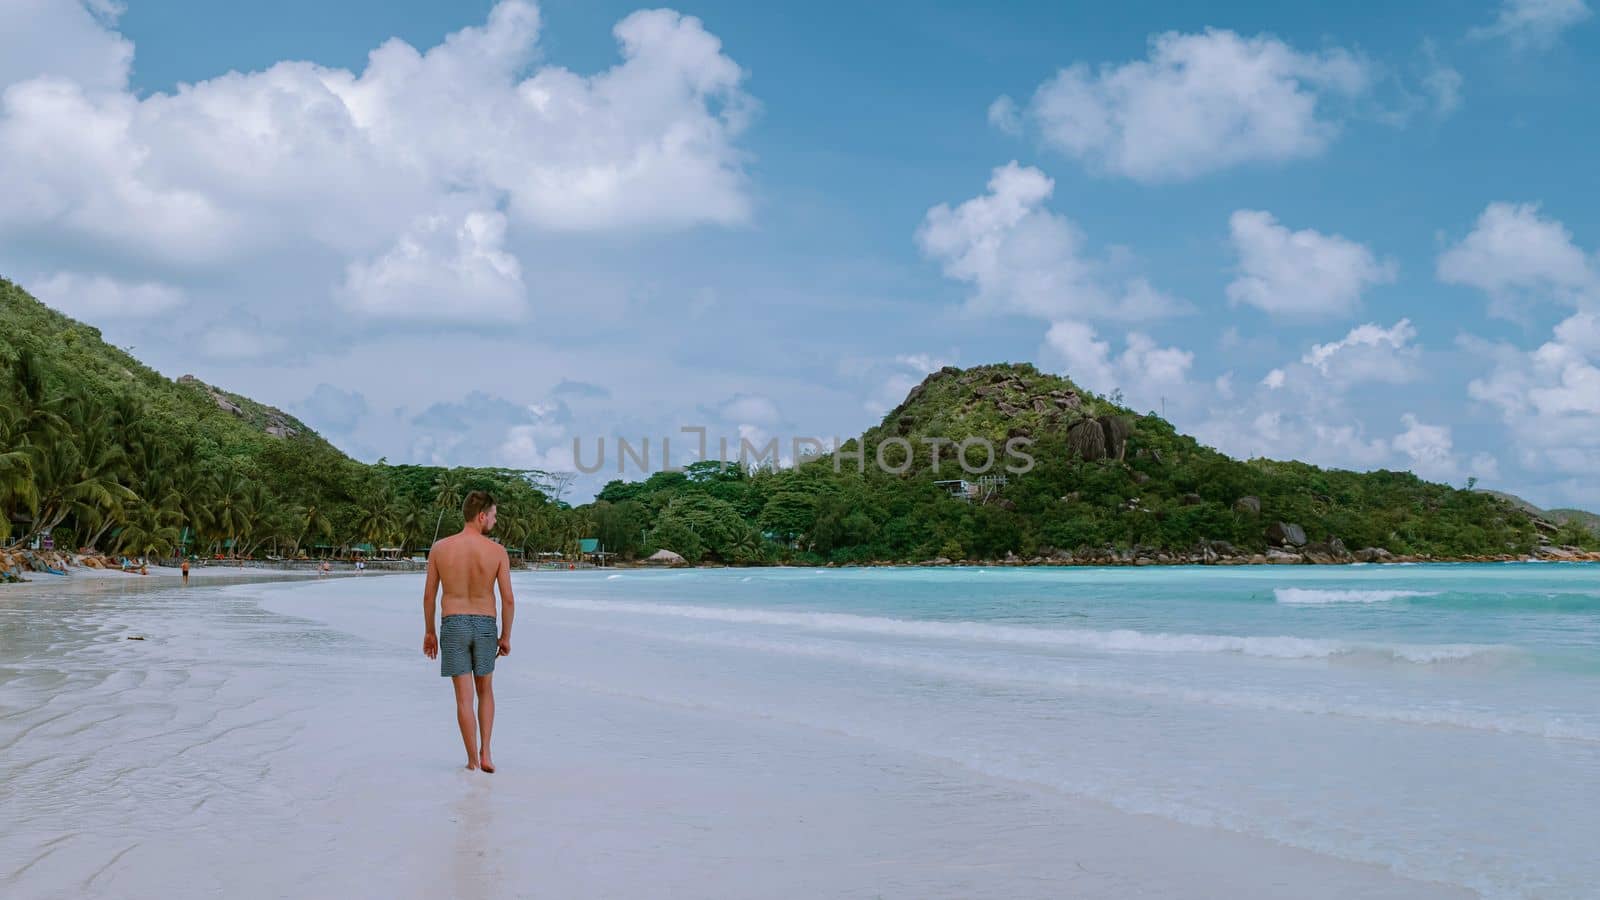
(291, 741)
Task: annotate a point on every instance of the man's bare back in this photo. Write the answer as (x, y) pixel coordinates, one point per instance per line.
(468, 567)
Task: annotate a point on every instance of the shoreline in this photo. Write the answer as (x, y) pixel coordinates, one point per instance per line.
(267, 570)
(261, 573)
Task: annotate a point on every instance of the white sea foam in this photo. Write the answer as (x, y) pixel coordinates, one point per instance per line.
(613, 577)
(1072, 681)
(1316, 597)
(1117, 640)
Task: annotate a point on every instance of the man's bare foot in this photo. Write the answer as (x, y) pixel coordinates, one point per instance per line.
(486, 763)
(472, 766)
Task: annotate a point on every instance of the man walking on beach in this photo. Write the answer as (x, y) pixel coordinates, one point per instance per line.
(468, 566)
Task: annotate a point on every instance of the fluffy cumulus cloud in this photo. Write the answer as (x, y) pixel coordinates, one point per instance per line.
(97, 297)
(1145, 373)
(1533, 24)
(1369, 353)
(1198, 103)
(1022, 258)
(487, 429)
(69, 39)
(442, 268)
(401, 180)
(1548, 397)
(1428, 447)
(1300, 274)
(1317, 408)
(1520, 258)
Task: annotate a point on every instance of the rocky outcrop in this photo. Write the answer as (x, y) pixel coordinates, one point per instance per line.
(1373, 555)
(217, 397)
(1087, 439)
(277, 424)
(1250, 506)
(1286, 534)
(1327, 552)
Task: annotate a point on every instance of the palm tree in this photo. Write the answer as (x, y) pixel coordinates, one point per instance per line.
(148, 533)
(376, 518)
(313, 521)
(233, 509)
(78, 475)
(449, 491)
(17, 488)
(411, 525)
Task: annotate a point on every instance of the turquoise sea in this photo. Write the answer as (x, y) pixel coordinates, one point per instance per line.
(1441, 720)
(741, 732)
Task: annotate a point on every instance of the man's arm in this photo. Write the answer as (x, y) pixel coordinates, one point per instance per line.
(508, 603)
(430, 594)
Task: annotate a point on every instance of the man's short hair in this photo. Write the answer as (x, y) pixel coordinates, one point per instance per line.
(476, 502)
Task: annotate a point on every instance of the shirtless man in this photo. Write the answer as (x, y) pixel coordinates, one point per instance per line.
(470, 565)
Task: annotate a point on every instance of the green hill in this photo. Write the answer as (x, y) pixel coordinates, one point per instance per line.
(111, 455)
(1104, 483)
(1552, 520)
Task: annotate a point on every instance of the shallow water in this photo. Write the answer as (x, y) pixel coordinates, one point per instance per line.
(1441, 720)
(1437, 720)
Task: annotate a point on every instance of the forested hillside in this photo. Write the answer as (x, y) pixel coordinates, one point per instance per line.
(108, 454)
(105, 453)
(1106, 484)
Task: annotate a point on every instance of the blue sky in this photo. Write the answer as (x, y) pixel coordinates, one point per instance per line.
(1356, 235)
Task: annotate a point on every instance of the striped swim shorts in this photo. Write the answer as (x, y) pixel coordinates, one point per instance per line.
(467, 644)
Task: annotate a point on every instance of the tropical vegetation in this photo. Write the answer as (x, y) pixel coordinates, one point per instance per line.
(106, 454)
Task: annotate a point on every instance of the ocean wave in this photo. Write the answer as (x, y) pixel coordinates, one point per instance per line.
(1117, 640)
(1316, 597)
(1484, 720)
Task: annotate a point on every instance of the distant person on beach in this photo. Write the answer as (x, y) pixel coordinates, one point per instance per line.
(468, 566)
(185, 568)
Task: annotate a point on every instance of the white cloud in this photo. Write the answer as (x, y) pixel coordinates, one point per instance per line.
(332, 167)
(1301, 274)
(1309, 410)
(1533, 24)
(66, 39)
(750, 409)
(1368, 353)
(535, 447)
(442, 268)
(1200, 103)
(1518, 257)
(97, 297)
(1022, 258)
(1441, 82)
(1146, 373)
(1549, 397)
(1429, 448)
(1004, 115)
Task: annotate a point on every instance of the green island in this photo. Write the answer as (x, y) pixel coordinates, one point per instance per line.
(108, 456)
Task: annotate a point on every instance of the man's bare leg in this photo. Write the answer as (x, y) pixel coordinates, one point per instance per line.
(485, 684)
(465, 717)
